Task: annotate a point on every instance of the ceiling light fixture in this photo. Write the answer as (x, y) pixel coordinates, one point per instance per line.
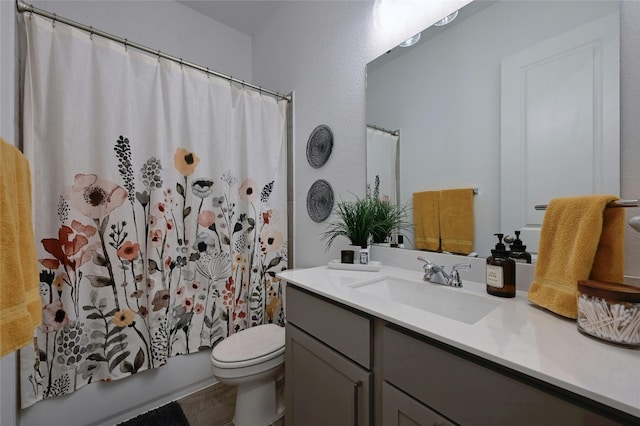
(447, 19)
(410, 41)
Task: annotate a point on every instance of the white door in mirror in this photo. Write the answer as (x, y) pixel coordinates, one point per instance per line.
(557, 121)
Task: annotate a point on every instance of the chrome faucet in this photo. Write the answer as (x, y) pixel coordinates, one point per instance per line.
(437, 275)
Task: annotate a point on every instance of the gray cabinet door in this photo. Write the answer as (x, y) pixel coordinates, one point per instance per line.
(323, 387)
(399, 409)
(471, 394)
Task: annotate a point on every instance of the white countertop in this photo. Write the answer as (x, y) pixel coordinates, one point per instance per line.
(516, 334)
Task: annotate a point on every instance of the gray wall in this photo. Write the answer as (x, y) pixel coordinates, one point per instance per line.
(320, 49)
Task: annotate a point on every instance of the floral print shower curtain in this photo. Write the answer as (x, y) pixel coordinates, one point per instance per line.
(160, 209)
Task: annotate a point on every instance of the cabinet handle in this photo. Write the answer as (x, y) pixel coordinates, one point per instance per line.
(356, 388)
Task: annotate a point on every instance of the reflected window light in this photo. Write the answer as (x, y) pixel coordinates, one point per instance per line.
(447, 19)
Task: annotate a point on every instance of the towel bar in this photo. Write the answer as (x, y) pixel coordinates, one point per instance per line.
(617, 203)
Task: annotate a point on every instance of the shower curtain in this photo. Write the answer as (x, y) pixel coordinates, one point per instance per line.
(382, 154)
(160, 208)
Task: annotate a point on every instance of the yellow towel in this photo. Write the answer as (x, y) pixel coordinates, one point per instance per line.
(456, 220)
(581, 239)
(20, 307)
(426, 220)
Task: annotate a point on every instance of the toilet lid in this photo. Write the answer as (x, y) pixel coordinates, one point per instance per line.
(251, 343)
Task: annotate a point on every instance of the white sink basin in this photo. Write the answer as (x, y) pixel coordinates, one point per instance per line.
(435, 298)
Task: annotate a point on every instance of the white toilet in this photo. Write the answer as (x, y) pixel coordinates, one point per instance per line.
(252, 359)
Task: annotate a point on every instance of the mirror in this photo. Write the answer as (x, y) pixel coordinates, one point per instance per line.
(447, 97)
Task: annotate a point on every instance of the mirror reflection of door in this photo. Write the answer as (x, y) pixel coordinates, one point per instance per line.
(445, 95)
(383, 163)
(560, 123)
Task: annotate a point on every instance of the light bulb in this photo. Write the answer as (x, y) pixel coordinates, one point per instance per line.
(410, 41)
(447, 19)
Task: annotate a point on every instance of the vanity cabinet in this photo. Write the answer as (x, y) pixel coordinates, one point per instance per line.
(328, 380)
(472, 391)
(399, 409)
(345, 367)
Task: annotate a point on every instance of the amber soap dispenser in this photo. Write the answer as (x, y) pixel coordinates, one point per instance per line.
(501, 271)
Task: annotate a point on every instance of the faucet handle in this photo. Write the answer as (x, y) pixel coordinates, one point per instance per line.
(429, 267)
(460, 266)
(454, 280)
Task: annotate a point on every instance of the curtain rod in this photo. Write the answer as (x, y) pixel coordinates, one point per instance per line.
(24, 7)
(616, 203)
(382, 129)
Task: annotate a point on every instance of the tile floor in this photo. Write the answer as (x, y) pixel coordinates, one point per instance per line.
(213, 406)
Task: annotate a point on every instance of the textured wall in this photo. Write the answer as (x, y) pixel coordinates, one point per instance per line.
(320, 50)
(165, 25)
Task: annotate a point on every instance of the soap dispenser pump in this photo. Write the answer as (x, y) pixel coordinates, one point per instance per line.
(501, 271)
(518, 250)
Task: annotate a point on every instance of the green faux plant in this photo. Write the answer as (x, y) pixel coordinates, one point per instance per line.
(387, 217)
(365, 220)
(355, 221)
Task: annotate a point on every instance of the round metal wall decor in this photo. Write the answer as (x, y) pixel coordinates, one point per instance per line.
(320, 200)
(319, 146)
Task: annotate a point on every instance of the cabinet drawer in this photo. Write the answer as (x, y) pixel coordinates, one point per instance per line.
(471, 393)
(345, 331)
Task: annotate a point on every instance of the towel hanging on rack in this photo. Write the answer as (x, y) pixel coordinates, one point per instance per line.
(457, 220)
(20, 308)
(426, 220)
(580, 239)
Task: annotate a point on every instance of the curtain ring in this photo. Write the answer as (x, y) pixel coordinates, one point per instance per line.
(126, 41)
(180, 62)
(208, 74)
(90, 33)
(53, 23)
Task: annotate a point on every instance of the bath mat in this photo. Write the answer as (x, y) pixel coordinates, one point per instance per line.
(167, 415)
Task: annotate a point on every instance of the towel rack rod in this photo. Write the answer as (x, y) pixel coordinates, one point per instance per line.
(616, 203)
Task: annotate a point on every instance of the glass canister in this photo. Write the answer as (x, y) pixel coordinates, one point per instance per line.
(609, 311)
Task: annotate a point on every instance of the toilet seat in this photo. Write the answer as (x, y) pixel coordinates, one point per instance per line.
(252, 346)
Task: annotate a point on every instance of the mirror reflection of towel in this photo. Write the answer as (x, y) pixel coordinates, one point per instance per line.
(580, 239)
(426, 220)
(457, 220)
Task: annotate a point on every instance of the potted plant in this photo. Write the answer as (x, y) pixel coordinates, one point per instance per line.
(387, 217)
(355, 221)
